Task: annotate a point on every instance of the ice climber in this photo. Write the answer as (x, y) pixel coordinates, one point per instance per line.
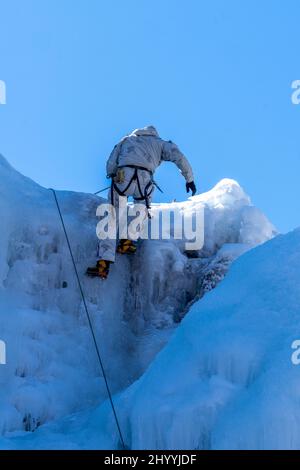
(131, 167)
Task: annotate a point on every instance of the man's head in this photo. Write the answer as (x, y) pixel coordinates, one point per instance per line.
(148, 130)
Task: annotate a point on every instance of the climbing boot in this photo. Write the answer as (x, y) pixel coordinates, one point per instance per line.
(126, 247)
(100, 270)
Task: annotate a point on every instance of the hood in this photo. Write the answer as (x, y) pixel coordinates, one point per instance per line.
(148, 130)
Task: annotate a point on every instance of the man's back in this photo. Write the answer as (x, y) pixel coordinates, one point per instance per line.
(143, 148)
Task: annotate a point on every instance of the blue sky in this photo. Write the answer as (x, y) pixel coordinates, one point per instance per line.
(213, 76)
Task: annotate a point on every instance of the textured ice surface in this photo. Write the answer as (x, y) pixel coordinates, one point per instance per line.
(52, 368)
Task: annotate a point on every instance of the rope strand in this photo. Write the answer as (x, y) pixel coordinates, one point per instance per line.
(90, 323)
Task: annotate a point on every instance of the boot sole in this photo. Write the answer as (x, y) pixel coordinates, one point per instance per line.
(120, 252)
(93, 275)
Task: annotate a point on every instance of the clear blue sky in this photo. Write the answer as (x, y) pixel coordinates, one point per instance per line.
(214, 76)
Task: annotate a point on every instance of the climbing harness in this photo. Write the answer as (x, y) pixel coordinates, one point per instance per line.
(144, 196)
(90, 322)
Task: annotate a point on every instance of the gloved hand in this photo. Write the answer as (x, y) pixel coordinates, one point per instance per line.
(191, 186)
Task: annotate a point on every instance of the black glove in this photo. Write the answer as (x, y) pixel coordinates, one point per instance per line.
(191, 186)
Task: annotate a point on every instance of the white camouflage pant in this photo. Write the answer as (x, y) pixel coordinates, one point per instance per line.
(135, 189)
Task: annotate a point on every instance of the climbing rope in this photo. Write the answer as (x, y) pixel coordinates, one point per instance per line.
(90, 322)
(102, 190)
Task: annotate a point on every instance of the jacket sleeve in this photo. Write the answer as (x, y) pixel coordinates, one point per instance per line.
(171, 153)
(112, 162)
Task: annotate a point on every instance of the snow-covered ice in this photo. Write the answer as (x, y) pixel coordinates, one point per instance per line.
(174, 379)
(226, 380)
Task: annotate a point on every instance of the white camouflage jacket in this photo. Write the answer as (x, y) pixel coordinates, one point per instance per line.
(146, 149)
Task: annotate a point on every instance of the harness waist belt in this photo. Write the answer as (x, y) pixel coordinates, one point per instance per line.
(137, 168)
